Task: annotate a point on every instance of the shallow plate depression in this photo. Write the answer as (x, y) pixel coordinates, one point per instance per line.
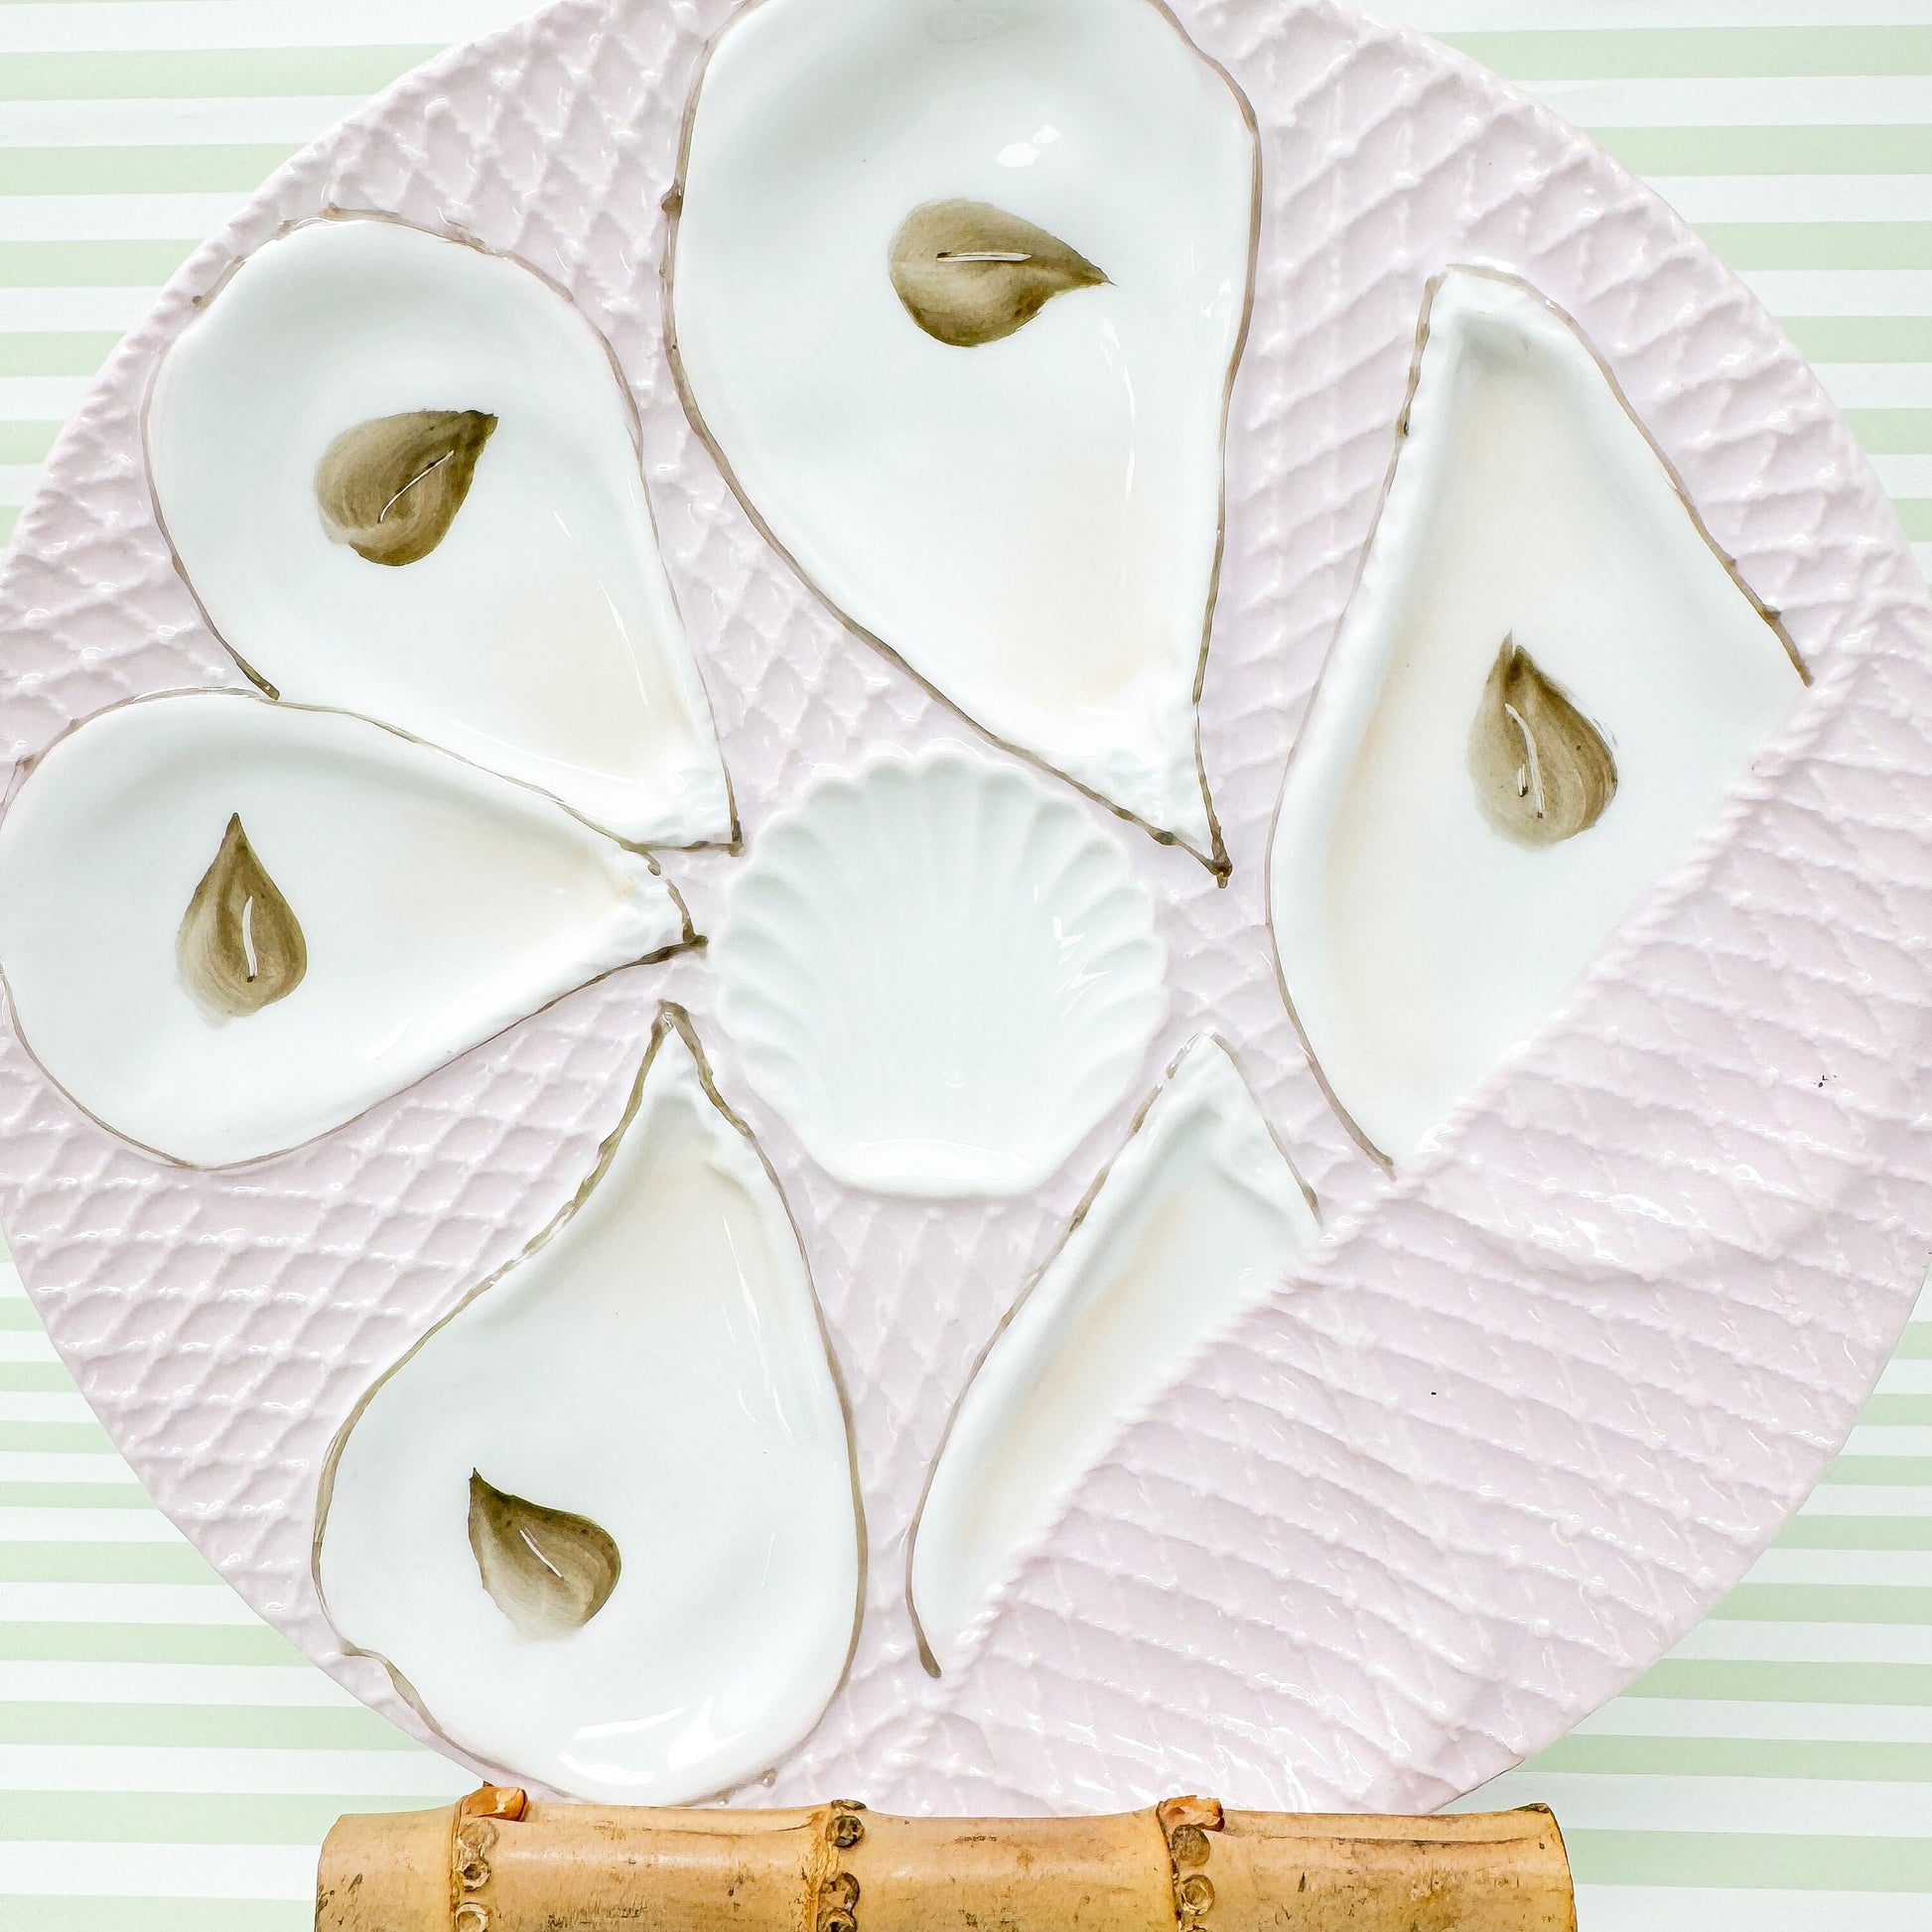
(1358, 1538)
(399, 474)
(602, 1523)
(957, 295)
(1197, 1220)
(1547, 680)
(227, 926)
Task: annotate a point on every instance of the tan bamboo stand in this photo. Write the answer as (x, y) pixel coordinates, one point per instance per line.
(498, 1863)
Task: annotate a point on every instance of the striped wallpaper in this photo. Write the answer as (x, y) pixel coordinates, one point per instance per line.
(166, 1763)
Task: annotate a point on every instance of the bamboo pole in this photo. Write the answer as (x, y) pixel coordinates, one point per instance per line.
(497, 1862)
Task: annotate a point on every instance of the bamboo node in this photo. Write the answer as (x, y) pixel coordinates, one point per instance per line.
(470, 1850)
(1194, 1895)
(1185, 1823)
(1188, 1845)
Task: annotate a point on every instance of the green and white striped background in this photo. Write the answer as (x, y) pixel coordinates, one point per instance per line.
(166, 1763)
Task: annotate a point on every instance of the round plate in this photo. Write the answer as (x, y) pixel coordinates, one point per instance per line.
(1515, 1425)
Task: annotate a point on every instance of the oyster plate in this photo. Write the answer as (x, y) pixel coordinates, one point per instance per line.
(1526, 1409)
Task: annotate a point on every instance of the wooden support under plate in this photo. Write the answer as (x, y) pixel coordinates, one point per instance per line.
(499, 1862)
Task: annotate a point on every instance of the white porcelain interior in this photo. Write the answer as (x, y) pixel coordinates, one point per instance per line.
(1418, 944)
(539, 637)
(439, 903)
(942, 972)
(654, 1363)
(1198, 1218)
(1033, 523)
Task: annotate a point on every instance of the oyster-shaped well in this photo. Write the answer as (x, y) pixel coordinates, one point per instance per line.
(229, 925)
(399, 474)
(957, 296)
(1546, 682)
(1199, 1217)
(601, 1523)
(941, 972)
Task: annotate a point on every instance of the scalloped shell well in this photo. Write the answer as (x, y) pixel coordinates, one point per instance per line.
(941, 972)
(1525, 1413)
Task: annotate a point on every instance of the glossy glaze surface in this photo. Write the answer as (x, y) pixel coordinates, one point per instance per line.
(1026, 513)
(537, 635)
(656, 1368)
(436, 905)
(941, 972)
(1199, 1217)
(1530, 522)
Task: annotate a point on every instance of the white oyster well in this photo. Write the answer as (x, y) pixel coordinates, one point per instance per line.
(1025, 507)
(941, 973)
(653, 1372)
(537, 637)
(1199, 1219)
(1546, 682)
(435, 904)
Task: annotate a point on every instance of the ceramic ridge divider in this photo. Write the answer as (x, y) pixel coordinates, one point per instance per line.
(497, 1862)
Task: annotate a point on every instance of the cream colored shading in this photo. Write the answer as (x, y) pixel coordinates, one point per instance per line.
(1018, 496)
(653, 1366)
(435, 905)
(1535, 555)
(1199, 1219)
(400, 474)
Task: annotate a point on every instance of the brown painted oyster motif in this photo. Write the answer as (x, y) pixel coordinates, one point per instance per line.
(240, 947)
(391, 488)
(1542, 770)
(971, 273)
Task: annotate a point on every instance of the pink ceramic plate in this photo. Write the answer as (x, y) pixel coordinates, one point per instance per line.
(1532, 1406)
